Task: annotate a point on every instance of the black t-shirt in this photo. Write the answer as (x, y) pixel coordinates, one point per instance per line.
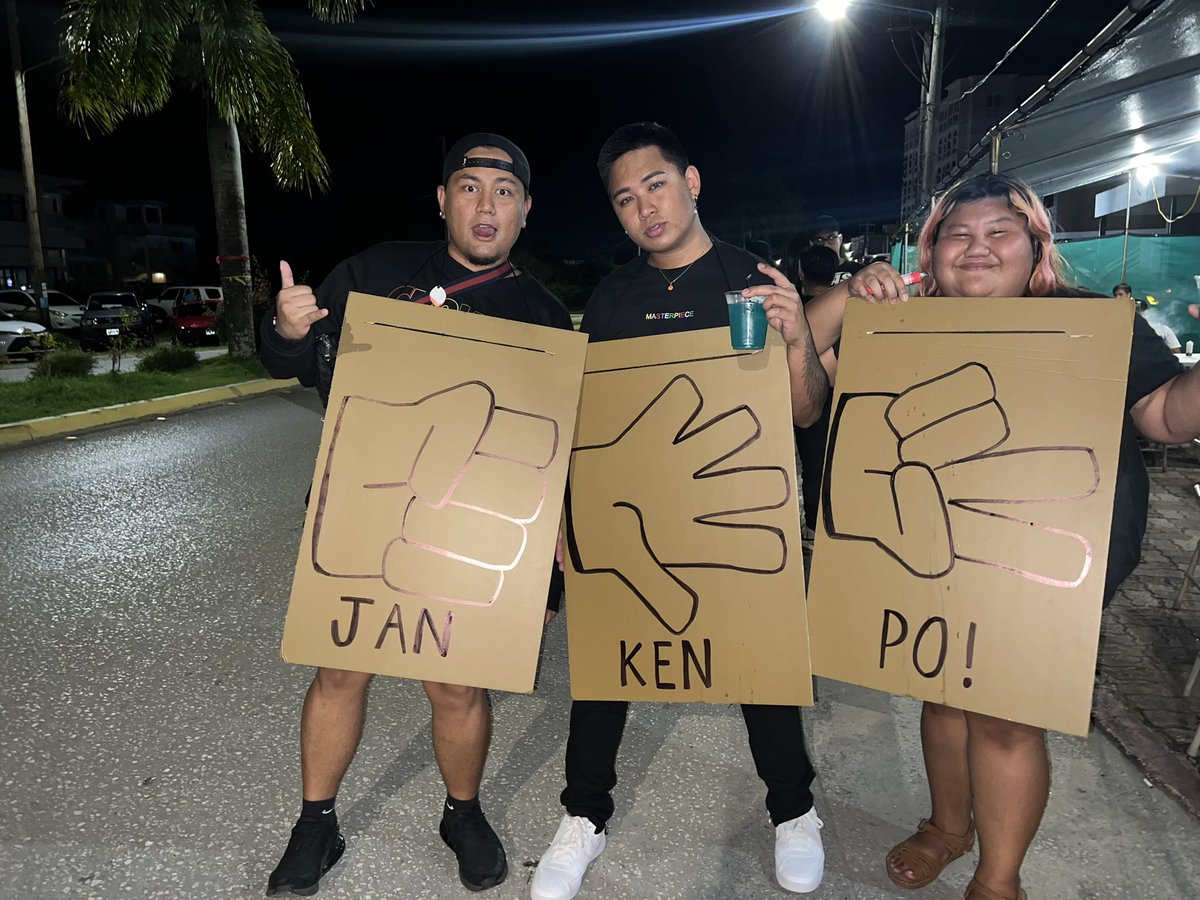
(405, 270)
(1151, 365)
(633, 301)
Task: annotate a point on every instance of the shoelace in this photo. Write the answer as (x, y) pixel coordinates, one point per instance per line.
(810, 826)
(572, 841)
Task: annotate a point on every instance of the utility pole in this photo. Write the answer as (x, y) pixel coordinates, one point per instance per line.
(935, 46)
(31, 193)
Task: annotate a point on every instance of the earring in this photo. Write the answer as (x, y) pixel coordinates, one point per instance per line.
(441, 214)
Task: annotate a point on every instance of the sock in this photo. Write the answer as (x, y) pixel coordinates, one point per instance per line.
(318, 811)
(456, 807)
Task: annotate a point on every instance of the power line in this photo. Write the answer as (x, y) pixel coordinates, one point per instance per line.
(976, 87)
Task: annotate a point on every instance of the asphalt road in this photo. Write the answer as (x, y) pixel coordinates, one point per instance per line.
(149, 739)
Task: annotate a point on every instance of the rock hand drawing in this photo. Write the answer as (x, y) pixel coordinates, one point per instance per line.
(421, 495)
(930, 477)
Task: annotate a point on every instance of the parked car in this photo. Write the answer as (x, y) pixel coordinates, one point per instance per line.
(65, 311)
(111, 314)
(195, 322)
(163, 307)
(18, 338)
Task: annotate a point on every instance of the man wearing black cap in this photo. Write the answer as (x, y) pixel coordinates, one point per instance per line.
(825, 232)
(484, 198)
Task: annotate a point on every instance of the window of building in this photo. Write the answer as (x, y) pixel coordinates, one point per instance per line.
(12, 208)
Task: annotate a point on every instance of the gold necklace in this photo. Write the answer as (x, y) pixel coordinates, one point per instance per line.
(671, 281)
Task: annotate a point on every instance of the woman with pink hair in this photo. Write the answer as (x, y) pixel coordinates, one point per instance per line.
(990, 236)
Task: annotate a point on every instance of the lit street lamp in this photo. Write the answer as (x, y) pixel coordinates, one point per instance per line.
(931, 73)
(833, 9)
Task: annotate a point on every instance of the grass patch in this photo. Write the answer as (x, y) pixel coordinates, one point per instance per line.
(40, 397)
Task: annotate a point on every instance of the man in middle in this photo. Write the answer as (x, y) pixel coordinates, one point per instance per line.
(677, 284)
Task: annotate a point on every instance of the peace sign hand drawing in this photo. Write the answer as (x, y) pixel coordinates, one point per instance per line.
(433, 497)
(925, 475)
(669, 509)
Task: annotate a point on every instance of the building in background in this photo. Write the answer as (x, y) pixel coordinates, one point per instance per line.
(962, 121)
(95, 245)
(133, 242)
(61, 240)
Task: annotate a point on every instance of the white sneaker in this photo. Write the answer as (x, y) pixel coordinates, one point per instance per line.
(799, 856)
(560, 870)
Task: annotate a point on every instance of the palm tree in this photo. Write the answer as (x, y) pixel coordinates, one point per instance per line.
(125, 58)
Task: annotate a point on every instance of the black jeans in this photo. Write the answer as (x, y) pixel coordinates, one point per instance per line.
(776, 743)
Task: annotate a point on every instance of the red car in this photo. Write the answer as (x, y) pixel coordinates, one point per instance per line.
(195, 322)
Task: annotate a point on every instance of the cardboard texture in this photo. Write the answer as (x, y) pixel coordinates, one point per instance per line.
(429, 540)
(966, 502)
(685, 580)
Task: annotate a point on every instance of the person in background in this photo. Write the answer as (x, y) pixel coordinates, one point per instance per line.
(1161, 328)
(818, 268)
(826, 232)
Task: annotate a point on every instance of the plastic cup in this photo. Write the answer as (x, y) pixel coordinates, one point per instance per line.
(1188, 348)
(747, 321)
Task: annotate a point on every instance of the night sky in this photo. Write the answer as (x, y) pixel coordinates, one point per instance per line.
(784, 114)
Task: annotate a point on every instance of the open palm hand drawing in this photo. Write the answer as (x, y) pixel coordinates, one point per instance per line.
(667, 494)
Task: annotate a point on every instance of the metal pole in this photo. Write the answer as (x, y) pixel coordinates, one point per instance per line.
(1128, 204)
(933, 94)
(31, 195)
(996, 153)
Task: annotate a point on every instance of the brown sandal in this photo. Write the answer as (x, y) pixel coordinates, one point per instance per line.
(978, 891)
(905, 856)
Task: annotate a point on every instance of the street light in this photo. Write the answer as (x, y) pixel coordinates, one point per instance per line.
(833, 9)
(931, 73)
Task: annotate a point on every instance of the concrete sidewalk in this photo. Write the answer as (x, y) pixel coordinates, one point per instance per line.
(1147, 647)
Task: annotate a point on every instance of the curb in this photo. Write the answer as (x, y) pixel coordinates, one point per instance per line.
(1158, 761)
(16, 433)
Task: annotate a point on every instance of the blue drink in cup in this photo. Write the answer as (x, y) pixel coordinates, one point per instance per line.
(747, 321)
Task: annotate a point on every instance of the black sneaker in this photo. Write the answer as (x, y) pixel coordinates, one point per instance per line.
(481, 862)
(311, 852)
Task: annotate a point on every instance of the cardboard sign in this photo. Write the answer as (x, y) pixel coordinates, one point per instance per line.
(967, 500)
(429, 540)
(685, 580)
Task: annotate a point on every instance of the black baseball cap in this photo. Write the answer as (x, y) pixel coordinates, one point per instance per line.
(457, 157)
(824, 223)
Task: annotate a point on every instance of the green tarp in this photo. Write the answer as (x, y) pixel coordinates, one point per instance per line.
(1165, 268)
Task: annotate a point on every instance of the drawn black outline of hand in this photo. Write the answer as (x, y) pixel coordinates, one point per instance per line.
(974, 505)
(709, 470)
(424, 496)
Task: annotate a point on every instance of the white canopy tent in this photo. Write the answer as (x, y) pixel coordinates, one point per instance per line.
(1136, 103)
